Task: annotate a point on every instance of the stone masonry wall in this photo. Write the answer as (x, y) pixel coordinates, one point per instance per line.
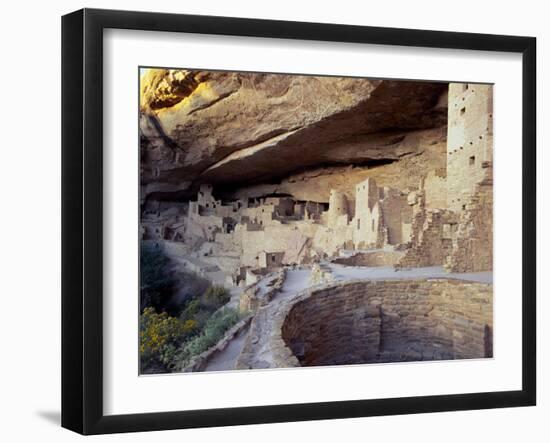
(252, 297)
(452, 223)
(199, 362)
(435, 189)
(386, 321)
(368, 225)
(374, 258)
(393, 206)
(430, 243)
(472, 247)
(469, 140)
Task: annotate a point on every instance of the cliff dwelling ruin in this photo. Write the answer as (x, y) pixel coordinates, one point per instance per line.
(348, 219)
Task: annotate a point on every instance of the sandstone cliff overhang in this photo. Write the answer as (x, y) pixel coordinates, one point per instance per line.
(240, 129)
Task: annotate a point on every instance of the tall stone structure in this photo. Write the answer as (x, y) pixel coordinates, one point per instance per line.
(338, 212)
(453, 224)
(469, 141)
(368, 229)
(470, 176)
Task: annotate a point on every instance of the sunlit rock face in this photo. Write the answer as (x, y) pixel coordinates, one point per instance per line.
(254, 134)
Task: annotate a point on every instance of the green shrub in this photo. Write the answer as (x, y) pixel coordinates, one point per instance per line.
(213, 331)
(195, 310)
(216, 296)
(191, 309)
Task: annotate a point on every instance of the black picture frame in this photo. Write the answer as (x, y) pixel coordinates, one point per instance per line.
(82, 215)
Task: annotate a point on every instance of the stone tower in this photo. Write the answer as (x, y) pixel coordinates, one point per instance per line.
(338, 212)
(469, 141)
(367, 224)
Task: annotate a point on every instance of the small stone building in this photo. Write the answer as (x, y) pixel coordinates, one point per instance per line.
(270, 259)
(382, 216)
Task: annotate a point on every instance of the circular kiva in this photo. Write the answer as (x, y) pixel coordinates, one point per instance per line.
(386, 321)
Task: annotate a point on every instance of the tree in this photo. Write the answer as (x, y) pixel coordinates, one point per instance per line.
(156, 278)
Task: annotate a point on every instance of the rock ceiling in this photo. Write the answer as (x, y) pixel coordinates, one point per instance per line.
(263, 132)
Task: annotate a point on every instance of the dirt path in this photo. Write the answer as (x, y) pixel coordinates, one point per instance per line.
(342, 272)
(256, 352)
(226, 359)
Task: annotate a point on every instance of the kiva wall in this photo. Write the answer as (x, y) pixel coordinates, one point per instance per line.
(374, 258)
(388, 321)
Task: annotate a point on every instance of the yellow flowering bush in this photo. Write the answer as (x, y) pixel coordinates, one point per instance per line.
(190, 325)
(160, 332)
(168, 343)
